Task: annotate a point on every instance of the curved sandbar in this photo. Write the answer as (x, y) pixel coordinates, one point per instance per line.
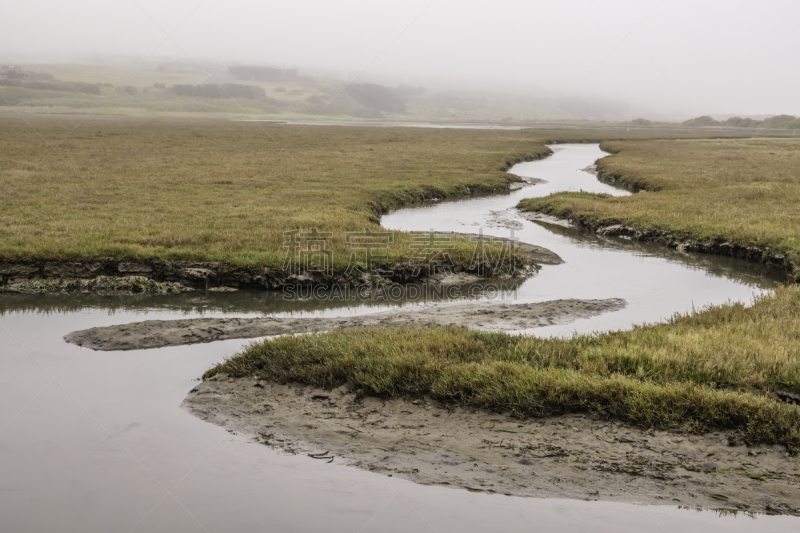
(485, 316)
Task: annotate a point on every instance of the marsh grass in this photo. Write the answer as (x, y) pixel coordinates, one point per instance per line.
(744, 190)
(712, 368)
(216, 190)
(226, 191)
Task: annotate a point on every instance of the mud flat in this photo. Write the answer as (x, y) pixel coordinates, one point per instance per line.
(485, 316)
(572, 456)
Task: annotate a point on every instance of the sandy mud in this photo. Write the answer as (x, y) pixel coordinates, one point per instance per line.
(573, 456)
(484, 316)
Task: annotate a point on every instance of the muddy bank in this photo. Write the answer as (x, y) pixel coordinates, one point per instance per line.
(775, 261)
(621, 183)
(573, 456)
(71, 276)
(489, 316)
(189, 274)
(102, 285)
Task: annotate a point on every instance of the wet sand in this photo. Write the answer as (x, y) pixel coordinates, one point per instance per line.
(484, 316)
(572, 456)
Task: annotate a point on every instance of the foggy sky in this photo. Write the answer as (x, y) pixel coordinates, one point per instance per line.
(681, 57)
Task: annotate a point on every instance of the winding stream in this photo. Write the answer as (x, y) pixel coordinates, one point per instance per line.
(96, 441)
(656, 282)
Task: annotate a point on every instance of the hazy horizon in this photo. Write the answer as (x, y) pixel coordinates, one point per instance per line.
(662, 59)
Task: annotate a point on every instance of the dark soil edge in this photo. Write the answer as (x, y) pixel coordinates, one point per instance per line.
(715, 246)
(207, 275)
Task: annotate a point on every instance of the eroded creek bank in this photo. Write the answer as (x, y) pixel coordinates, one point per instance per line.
(724, 247)
(110, 276)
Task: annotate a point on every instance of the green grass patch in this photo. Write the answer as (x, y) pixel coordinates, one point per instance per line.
(712, 368)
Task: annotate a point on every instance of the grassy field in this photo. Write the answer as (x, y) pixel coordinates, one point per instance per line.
(710, 369)
(216, 190)
(746, 190)
(18, 99)
(226, 191)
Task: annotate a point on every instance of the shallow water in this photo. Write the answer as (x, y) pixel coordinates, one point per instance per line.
(96, 441)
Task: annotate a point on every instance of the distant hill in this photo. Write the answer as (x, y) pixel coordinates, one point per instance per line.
(226, 90)
(243, 72)
(377, 97)
(782, 122)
